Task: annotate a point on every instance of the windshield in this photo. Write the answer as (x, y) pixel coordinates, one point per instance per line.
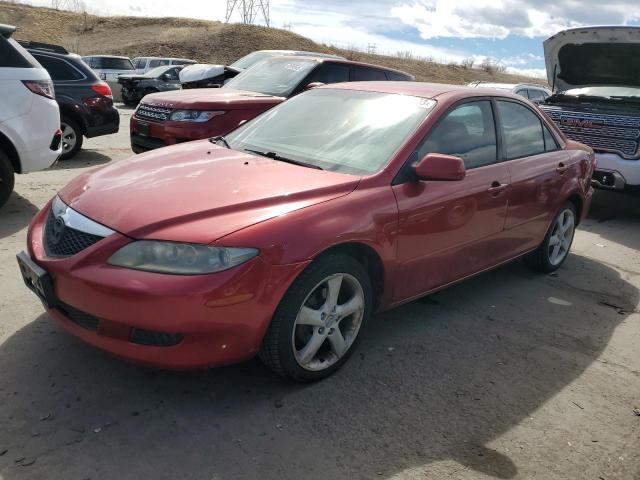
(277, 76)
(345, 131)
(113, 63)
(603, 91)
(156, 72)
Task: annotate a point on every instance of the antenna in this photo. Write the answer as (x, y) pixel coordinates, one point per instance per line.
(249, 10)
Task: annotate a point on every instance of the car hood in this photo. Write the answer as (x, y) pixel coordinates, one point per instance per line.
(591, 56)
(198, 192)
(202, 98)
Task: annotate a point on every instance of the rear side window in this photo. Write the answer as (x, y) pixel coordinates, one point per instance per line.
(536, 95)
(139, 63)
(468, 131)
(157, 62)
(330, 73)
(361, 74)
(58, 68)
(522, 129)
(182, 62)
(111, 63)
(550, 143)
(12, 55)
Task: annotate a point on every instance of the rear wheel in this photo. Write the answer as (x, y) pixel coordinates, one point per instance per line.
(556, 245)
(7, 178)
(71, 138)
(319, 320)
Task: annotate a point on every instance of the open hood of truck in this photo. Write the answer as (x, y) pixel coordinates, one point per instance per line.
(590, 56)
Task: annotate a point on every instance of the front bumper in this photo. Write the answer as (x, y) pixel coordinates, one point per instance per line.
(616, 173)
(216, 319)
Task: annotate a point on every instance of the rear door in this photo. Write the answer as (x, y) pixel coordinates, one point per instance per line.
(537, 167)
(448, 230)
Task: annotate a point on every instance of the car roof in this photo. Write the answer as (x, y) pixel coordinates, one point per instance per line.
(507, 85)
(105, 56)
(346, 62)
(162, 58)
(420, 89)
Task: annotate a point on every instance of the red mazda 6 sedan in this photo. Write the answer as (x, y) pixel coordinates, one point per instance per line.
(282, 238)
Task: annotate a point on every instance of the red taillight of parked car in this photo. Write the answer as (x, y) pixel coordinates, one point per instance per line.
(102, 89)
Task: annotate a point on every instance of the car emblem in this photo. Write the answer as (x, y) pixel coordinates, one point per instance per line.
(57, 231)
(581, 122)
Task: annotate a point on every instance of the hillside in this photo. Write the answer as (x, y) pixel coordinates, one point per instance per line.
(205, 41)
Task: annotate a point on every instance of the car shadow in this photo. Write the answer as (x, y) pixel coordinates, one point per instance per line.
(437, 379)
(15, 214)
(84, 158)
(612, 216)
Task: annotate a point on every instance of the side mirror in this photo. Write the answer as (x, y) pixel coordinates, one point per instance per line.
(436, 166)
(166, 77)
(313, 85)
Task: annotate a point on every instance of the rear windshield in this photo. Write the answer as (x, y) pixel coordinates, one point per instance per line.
(112, 63)
(12, 55)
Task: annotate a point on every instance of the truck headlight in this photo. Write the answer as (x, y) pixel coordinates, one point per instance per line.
(179, 258)
(198, 116)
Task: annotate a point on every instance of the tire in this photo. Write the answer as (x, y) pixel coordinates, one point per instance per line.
(304, 345)
(7, 178)
(71, 138)
(544, 259)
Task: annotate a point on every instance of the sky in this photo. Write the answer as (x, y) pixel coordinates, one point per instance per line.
(511, 31)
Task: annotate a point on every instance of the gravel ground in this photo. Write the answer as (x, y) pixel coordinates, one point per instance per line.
(508, 375)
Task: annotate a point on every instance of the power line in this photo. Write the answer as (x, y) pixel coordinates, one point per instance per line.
(248, 10)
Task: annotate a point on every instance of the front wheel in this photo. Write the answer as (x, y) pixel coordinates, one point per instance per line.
(319, 320)
(556, 245)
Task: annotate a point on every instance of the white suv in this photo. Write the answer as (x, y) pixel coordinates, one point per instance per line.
(29, 117)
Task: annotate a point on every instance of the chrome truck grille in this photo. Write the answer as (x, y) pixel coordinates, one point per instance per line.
(609, 133)
(152, 113)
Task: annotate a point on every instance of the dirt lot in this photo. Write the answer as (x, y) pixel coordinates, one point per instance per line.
(508, 375)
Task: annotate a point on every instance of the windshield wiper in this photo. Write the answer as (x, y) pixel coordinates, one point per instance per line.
(220, 139)
(275, 156)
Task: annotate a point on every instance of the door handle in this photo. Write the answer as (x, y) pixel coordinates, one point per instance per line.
(497, 188)
(562, 168)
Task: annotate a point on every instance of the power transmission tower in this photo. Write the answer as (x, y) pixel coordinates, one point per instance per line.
(249, 10)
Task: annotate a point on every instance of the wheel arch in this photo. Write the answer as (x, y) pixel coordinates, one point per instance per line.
(10, 150)
(578, 203)
(369, 258)
(75, 116)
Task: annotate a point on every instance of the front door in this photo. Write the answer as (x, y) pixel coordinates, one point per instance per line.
(449, 230)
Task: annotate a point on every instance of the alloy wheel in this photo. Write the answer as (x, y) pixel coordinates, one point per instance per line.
(69, 137)
(328, 322)
(561, 237)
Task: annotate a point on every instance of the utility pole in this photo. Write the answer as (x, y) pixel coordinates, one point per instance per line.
(249, 10)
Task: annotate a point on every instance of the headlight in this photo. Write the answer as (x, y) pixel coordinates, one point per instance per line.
(198, 116)
(179, 258)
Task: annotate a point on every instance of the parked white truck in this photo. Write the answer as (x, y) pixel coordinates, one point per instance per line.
(595, 74)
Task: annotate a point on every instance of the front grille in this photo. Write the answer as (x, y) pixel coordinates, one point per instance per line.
(83, 319)
(611, 133)
(155, 339)
(152, 113)
(66, 242)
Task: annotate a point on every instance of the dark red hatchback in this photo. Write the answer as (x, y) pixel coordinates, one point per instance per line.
(284, 237)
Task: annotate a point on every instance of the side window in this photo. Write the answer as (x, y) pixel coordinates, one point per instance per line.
(522, 130)
(523, 93)
(155, 63)
(139, 63)
(330, 73)
(468, 131)
(361, 74)
(58, 69)
(550, 143)
(536, 95)
(173, 73)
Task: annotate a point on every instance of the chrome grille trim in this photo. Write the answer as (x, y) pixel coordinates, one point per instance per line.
(152, 113)
(618, 134)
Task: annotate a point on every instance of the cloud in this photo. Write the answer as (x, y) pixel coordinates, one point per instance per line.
(500, 18)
